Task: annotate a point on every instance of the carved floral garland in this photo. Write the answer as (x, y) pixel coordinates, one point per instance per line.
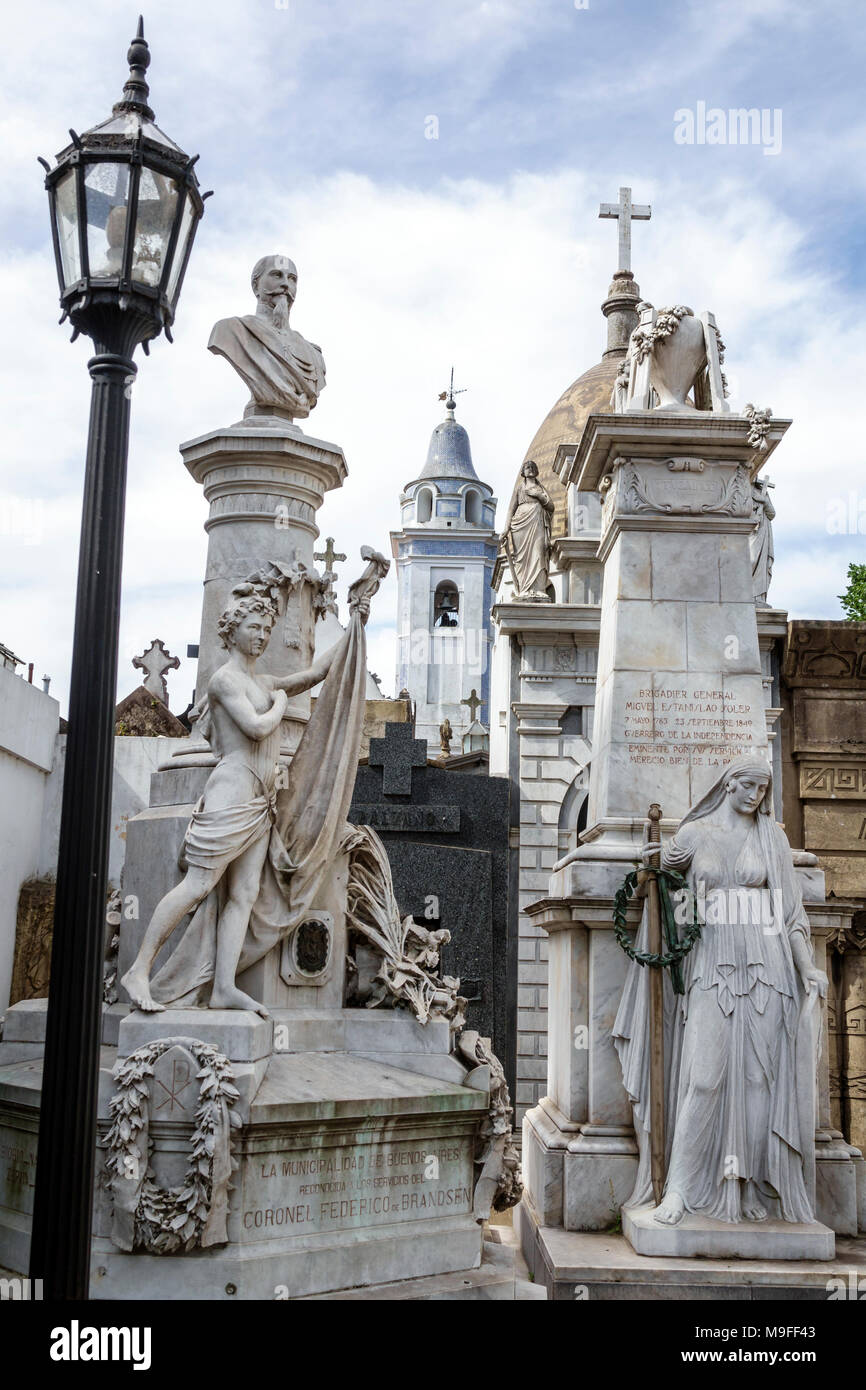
(169, 1219)
(667, 322)
(759, 426)
(499, 1185)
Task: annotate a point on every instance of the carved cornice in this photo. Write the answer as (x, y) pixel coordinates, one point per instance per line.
(825, 655)
(541, 621)
(659, 434)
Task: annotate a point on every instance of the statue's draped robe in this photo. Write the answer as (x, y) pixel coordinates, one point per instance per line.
(529, 539)
(288, 371)
(740, 1044)
(761, 548)
(305, 824)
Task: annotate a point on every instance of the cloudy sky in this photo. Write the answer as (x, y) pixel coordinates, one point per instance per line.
(479, 247)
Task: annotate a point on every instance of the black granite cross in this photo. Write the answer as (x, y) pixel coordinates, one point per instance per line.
(397, 754)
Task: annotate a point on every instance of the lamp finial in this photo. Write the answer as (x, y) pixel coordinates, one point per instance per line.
(136, 90)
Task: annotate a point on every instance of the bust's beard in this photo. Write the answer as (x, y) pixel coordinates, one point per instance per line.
(280, 313)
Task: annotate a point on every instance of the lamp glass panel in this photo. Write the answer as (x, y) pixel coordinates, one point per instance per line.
(106, 192)
(157, 205)
(66, 217)
(187, 223)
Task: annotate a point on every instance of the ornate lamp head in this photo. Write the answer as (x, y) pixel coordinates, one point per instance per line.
(125, 205)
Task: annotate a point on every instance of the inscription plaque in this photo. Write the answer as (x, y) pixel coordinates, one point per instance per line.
(700, 726)
(17, 1169)
(362, 1185)
(428, 819)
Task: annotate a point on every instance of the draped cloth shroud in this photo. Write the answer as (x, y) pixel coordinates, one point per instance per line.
(305, 824)
(741, 1044)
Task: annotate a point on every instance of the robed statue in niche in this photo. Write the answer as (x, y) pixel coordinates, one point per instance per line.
(528, 537)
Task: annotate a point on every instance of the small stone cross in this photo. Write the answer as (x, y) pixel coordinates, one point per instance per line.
(329, 554)
(625, 212)
(474, 704)
(156, 660)
(397, 754)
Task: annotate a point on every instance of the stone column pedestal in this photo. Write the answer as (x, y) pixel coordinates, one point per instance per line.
(680, 685)
(579, 1150)
(264, 483)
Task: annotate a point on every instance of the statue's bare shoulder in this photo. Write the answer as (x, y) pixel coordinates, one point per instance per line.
(225, 681)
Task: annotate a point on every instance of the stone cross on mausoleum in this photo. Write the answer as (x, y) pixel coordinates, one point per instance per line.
(155, 661)
(397, 754)
(625, 212)
(474, 704)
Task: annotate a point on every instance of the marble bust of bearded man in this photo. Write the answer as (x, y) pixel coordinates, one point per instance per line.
(285, 372)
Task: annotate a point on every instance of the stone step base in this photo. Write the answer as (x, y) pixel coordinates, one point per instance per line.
(600, 1265)
(277, 1271)
(706, 1238)
(501, 1277)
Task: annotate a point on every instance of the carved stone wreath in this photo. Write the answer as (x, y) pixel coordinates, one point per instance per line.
(150, 1217)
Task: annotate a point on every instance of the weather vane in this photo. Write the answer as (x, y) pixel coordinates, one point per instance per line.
(448, 396)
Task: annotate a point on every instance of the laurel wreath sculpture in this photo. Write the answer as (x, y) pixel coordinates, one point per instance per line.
(148, 1216)
(678, 947)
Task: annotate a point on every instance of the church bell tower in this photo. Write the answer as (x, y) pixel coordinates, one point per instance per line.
(445, 553)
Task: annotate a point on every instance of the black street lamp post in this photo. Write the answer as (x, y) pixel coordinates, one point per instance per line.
(125, 205)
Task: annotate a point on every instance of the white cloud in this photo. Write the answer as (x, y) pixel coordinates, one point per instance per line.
(502, 276)
(397, 284)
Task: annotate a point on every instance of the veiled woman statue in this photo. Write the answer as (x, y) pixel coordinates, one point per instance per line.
(527, 538)
(741, 1041)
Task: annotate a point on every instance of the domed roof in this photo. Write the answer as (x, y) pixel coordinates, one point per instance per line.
(564, 424)
(590, 394)
(449, 455)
